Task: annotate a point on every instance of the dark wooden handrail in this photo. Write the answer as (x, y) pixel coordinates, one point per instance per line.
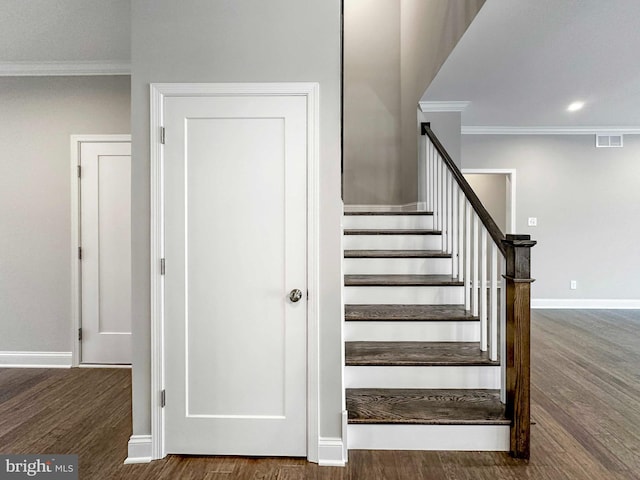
(485, 217)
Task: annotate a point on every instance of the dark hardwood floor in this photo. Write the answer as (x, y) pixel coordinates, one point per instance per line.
(586, 409)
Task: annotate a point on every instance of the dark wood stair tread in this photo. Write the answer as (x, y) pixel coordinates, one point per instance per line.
(425, 407)
(416, 354)
(393, 280)
(391, 231)
(411, 313)
(394, 213)
(396, 254)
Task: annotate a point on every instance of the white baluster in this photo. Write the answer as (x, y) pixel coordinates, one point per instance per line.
(454, 231)
(449, 211)
(483, 290)
(432, 189)
(426, 172)
(441, 192)
(493, 295)
(467, 255)
(461, 255)
(430, 170)
(503, 329)
(475, 285)
(438, 193)
(446, 189)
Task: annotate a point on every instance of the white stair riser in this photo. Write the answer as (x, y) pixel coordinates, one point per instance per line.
(419, 266)
(401, 331)
(392, 242)
(429, 437)
(388, 222)
(428, 295)
(423, 377)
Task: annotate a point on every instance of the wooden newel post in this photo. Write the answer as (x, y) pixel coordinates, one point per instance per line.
(518, 338)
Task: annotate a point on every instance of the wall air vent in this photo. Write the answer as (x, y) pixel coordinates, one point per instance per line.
(608, 140)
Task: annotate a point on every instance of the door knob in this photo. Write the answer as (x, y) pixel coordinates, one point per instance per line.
(295, 295)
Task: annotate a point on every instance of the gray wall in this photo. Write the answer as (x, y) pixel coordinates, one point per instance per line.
(587, 204)
(430, 29)
(248, 41)
(447, 127)
(392, 51)
(38, 116)
(65, 31)
(372, 102)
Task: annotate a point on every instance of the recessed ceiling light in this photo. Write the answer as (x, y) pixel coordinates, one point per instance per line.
(575, 106)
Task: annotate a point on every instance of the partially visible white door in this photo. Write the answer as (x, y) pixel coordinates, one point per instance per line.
(105, 239)
(235, 245)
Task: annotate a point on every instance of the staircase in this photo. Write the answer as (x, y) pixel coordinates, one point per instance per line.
(415, 375)
(435, 302)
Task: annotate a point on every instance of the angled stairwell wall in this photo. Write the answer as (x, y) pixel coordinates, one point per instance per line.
(392, 51)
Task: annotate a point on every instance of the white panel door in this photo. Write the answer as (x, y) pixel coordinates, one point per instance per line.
(235, 247)
(105, 236)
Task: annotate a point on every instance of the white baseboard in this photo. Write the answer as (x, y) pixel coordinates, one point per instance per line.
(345, 431)
(35, 359)
(139, 449)
(407, 207)
(585, 303)
(331, 452)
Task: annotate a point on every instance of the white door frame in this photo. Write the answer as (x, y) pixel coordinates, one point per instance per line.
(76, 298)
(158, 92)
(511, 190)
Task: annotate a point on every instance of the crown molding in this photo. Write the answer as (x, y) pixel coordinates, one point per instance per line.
(39, 69)
(432, 107)
(592, 130)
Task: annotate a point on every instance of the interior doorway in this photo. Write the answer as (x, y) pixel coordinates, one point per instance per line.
(496, 189)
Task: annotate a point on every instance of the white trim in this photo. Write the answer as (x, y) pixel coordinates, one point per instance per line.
(139, 447)
(345, 432)
(40, 69)
(489, 130)
(511, 174)
(407, 331)
(433, 107)
(343, 390)
(407, 207)
(331, 452)
(75, 143)
(431, 377)
(429, 437)
(35, 359)
(104, 365)
(628, 303)
(158, 92)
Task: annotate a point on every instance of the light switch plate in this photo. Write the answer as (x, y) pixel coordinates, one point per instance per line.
(533, 221)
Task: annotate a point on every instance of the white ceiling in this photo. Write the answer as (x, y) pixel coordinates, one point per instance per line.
(522, 62)
(65, 31)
